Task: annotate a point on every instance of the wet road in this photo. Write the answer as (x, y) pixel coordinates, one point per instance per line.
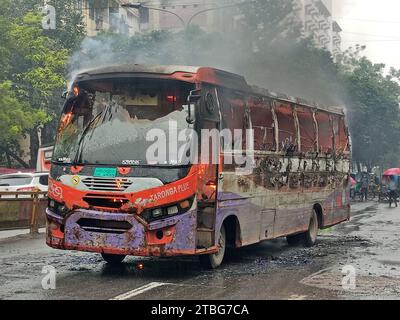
(368, 245)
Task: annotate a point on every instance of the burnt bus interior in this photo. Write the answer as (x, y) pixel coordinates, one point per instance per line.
(284, 128)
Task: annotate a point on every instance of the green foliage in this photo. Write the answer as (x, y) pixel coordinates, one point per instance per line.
(33, 61)
(70, 28)
(15, 116)
(373, 100)
(5, 52)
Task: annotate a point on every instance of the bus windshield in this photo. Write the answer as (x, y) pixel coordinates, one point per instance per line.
(110, 122)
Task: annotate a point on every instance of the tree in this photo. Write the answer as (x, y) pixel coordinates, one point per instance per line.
(5, 53)
(373, 100)
(34, 61)
(16, 118)
(70, 27)
(39, 68)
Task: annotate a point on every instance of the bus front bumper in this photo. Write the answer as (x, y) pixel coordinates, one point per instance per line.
(124, 234)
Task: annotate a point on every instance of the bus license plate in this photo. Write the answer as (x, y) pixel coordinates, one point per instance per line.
(105, 172)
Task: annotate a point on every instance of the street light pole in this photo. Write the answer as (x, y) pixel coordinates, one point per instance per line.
(185, 25)
(218, 8)
(140, 5)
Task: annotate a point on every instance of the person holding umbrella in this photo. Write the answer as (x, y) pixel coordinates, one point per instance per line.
(392, 189)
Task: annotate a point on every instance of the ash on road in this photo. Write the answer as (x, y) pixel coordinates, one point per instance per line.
(271, 270)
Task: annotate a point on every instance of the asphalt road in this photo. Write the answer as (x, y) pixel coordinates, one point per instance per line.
(367, 246)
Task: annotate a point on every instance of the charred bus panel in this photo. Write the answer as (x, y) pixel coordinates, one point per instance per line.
(106, 197)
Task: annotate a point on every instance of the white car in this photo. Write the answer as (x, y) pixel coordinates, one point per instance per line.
(24, 182)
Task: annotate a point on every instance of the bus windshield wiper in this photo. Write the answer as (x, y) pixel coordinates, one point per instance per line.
(84, 133)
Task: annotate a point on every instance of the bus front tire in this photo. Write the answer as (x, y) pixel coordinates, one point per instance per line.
(113, 259)
(213, 261)
(308, 238)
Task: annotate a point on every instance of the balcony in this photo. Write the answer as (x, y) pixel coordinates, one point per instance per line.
(323, 24)
(311, 10)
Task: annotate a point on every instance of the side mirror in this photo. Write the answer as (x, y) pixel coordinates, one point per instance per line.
(194, 97)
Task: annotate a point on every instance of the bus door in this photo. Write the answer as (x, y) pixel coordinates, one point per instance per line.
(208, 116)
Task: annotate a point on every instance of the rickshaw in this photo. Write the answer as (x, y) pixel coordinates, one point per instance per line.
(373, 189)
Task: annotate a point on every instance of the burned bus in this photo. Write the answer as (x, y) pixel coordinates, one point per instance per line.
(107, 196)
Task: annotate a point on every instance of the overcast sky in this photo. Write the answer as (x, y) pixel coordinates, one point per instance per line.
(375, 23)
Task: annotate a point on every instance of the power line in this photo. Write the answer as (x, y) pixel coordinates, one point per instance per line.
(373, 35)
(370, 41)
(367, 20)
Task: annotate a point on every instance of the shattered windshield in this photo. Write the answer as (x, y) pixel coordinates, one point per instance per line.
(125, 122)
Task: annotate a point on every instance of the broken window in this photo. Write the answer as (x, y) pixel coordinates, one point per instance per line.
(307, 129)
(263, 126)
(324, 132)
(287, 128)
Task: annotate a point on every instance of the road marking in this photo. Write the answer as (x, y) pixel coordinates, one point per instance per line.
(140, 290)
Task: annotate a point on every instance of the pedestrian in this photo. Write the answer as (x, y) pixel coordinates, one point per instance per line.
(392, 189)
(364, 181)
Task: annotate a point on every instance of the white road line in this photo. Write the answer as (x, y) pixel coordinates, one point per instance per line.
(140, 290)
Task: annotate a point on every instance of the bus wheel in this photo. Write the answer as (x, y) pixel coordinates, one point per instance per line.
(308, 238)
(213, 261)
(113, 258)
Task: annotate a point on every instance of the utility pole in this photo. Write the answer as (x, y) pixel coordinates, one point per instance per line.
(140, 5)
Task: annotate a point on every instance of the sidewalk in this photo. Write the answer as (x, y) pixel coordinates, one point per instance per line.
(16, 233)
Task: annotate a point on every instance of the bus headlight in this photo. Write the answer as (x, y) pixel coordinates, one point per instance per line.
(157, 213)
(173, 210)
(58, 208)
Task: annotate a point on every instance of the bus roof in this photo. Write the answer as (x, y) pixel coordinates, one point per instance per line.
(202, 74)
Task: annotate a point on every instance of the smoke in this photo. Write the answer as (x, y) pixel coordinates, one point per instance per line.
(282, 64)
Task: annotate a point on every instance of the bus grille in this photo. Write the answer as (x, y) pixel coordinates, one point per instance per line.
(105, 184)
(104, 226)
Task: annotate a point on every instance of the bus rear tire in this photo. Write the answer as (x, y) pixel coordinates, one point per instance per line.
(213, 261)
(308, 238)
(113, 259)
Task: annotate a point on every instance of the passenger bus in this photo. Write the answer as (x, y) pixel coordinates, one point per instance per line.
(107, 196)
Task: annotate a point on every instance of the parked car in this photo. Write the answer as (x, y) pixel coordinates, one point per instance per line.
(24, 182)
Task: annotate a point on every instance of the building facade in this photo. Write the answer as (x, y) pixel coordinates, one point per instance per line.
(314, 15)
(318, 23)
(108, 15)
(203, 13)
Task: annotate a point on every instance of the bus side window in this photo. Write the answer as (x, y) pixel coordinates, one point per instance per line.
(342, 140)
(263, 126)
(287, 128)
(233, 111)
(307, 130)
(324, 132)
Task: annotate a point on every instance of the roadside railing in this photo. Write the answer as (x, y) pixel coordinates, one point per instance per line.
(23, 210)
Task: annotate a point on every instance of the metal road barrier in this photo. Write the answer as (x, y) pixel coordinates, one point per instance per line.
(23, 210)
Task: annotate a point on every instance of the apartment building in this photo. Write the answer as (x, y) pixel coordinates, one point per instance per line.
(318, 23)
(108, 15)
(210, 15)
(314, 15)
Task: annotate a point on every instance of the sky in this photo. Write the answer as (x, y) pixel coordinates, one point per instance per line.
(374, 23)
